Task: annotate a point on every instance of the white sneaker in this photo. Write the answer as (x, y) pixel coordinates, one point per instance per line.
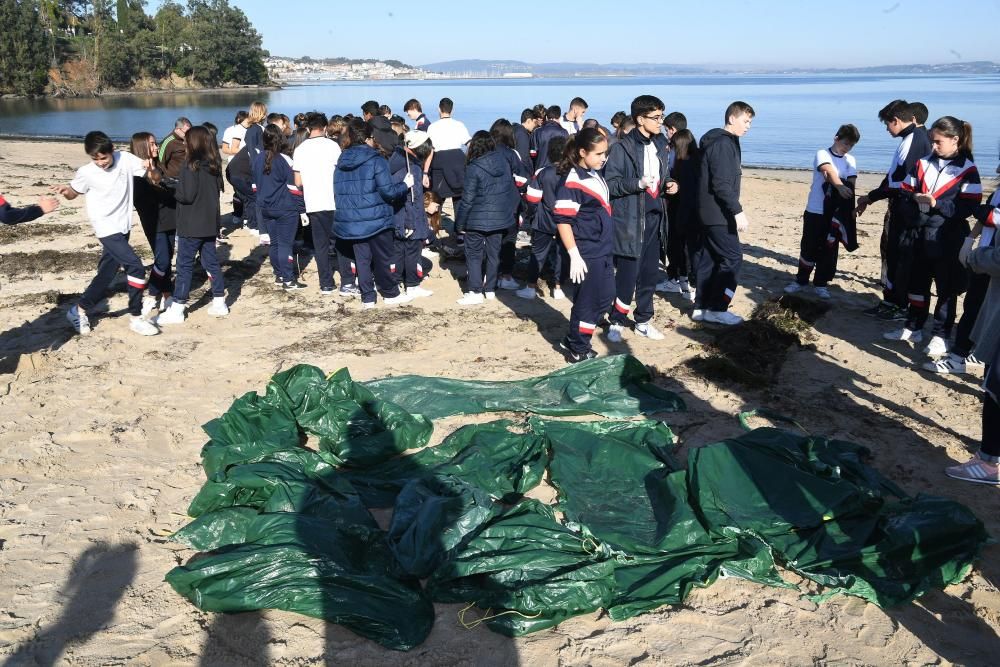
(689, 295)
(218, 307)
(142, 326)
(698, 315)
(615, 333)
(402, 297)
(165, 302)
(822, 292)
(418, 292)
(79, 320)
(526, 293)
(952, 363)
(148, 304)
(428, 253)
(722, 317)
(793, 288)
(265, 239)
(367, 305)
(938, 347)
(647, 330)
(471, 299)
(558, 294)
(255, 232)
(904, 334)
(491, 296)
(172, 315)
(508, 283)
(670, 286)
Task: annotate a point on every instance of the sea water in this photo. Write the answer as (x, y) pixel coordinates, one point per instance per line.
(796, 114)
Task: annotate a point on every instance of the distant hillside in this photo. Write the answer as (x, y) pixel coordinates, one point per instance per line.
(501, 67)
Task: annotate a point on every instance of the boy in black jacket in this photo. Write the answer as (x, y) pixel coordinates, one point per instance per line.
(719, 255)
(637, 174)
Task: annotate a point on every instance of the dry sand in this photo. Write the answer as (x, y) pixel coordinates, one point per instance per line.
(99, 443)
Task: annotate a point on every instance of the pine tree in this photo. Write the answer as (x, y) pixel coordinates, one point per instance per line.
(24, 48)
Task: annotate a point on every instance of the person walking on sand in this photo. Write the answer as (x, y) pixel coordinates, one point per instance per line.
(719, 256)
(107, 183)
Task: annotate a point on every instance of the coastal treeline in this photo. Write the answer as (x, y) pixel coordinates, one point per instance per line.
(80, 47)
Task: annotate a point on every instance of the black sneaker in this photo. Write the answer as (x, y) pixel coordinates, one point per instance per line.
(893, 314)
(278, 282)
(878, 309)
(293, 286)
(571, 356)
(349, 291)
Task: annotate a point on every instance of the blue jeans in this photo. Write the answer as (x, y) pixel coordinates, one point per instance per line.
(163, 253)
(117, 254)
(187, 248)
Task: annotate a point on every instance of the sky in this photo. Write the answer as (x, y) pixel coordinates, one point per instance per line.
(779, 33)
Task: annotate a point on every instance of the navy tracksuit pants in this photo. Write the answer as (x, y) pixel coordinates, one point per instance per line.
(161, 278)
(637, 276)
(375, 262)
(281, 227)
(408, 255)
(189, 247)
(591, 300)
(321, 227)
(478, 244)
(542, 246)
(718, 260)
(117, 254)
(818, 249)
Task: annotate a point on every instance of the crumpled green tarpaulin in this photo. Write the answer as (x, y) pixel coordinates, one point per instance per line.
(286, 526)
(615, 386)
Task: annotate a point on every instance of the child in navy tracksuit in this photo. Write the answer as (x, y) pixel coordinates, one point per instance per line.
(279, 203)
(541, 199)
(938, 196)
(583, 219)
(409, 216)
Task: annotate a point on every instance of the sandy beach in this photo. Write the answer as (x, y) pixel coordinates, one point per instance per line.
(100, 439)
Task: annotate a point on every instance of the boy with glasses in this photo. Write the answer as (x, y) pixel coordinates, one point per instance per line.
(637, 175)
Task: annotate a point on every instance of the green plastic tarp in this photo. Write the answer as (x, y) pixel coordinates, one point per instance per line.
(615, 386)
(491, 456)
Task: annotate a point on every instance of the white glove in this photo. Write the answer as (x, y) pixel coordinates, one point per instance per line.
(304, 217)
(742, 223)
(408, 179)
(963, 254)
(577, 267)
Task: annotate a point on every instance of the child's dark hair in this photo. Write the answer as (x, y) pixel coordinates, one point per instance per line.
(849, 133)
(385, 110)
(737, 109)
(358, 131)
(273, 118)
(370, 107)
(950, 126)
(413, 104)
(584, 140)
(446, 105)
(423, 150)
(200, 144)
(557, 146)
(578, 102)
(643, 104)
(298, 136)
(480, 144)
(335, 127)
(316, 120)
(240, 117)
(527, 114)
(97, 143)
(675, 120)
(919, 111)
(896, 109)
(554, 112)
(300, 119)
(685, 147)
(617, 118)
(211, 127)
(502, 132)
(274, 142)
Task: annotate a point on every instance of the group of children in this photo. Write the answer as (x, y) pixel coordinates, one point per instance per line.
(605, 208)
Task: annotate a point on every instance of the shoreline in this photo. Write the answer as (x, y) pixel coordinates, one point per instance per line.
(150, 91)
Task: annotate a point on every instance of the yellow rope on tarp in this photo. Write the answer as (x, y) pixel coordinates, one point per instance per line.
(489, 616)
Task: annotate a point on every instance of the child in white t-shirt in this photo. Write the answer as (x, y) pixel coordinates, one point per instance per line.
(834, 175)
(107, 182)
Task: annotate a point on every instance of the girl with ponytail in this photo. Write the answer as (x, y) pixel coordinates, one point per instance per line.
(943, 191)
(582, 215)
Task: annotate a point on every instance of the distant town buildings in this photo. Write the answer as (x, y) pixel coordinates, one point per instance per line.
(305, 69)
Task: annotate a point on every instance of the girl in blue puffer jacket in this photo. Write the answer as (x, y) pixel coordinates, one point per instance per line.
(363, 222)
(485, 212)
